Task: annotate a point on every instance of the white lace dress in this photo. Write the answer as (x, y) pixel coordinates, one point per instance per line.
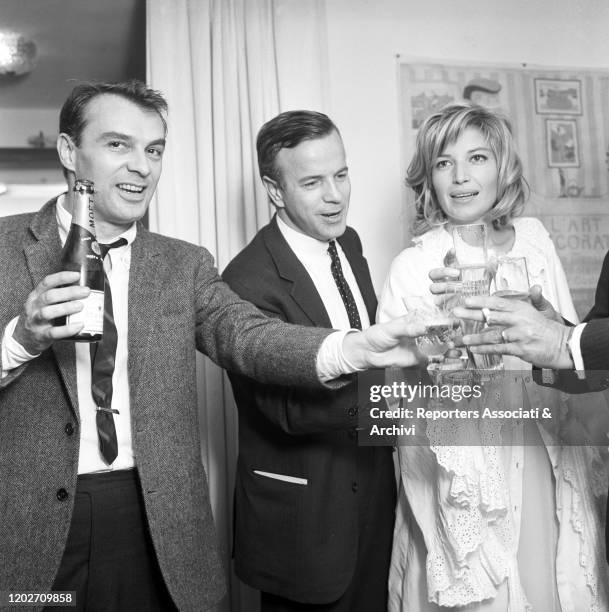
(513, 526)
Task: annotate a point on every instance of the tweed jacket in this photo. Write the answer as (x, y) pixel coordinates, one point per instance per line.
(296, 540)
(177, 305)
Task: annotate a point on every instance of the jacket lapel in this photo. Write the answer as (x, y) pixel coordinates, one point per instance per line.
(146, 281)
(42, 254)
(291, 270)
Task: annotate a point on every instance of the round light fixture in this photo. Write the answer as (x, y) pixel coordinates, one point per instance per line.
(17, 54)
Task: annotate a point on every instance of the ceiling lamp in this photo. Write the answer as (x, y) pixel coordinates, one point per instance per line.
(17, 54)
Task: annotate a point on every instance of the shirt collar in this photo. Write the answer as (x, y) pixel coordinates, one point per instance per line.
(300, 243)
(64, 220)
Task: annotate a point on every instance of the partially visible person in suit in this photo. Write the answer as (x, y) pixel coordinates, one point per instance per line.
(101, 484)
(314, 511)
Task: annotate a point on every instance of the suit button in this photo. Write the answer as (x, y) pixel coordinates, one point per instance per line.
(62, 494)
(69, 429)
(354, 487)
(352, 411)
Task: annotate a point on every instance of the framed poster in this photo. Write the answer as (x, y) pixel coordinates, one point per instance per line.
(561, 143)
(428, 97)
(558, 97)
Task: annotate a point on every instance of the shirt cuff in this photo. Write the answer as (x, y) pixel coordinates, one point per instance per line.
(576, 353)
(13, 354)
(331, 361)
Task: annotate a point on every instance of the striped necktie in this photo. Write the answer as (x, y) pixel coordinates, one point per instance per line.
(103, 355)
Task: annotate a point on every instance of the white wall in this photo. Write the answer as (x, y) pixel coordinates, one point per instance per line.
(18, 125)
(27, 198)
(364, 37)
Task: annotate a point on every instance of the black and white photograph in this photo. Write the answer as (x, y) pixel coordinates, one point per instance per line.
(304, 306)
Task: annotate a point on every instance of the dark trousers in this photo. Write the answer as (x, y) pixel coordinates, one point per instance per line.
(367, 590)
(109, 558)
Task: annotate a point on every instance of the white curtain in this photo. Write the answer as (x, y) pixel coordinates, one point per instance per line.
(226, 67)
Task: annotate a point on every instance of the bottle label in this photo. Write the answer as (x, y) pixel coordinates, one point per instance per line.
(92, 315)
(82, 213)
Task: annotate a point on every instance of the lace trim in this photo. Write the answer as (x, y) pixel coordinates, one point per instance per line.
(582, 515)
(476, 543)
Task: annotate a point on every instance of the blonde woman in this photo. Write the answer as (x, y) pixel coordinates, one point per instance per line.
(516, 526)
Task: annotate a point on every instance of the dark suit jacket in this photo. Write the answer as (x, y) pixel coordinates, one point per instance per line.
(594, 342)
(295, 540)
(594, 345)
(177, 304)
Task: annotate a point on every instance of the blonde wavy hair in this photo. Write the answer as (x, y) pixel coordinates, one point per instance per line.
(444, 128)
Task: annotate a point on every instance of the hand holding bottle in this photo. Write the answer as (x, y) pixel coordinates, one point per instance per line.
(51, 299)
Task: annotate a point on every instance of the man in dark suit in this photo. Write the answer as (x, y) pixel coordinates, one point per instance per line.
(117, 509)
(314, 511)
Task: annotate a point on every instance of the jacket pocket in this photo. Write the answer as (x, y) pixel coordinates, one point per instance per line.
(283, 477)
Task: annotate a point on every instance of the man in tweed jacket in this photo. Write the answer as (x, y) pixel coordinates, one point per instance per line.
(137, 534)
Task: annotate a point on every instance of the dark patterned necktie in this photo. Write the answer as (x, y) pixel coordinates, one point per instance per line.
(103, 355)
(343, 287)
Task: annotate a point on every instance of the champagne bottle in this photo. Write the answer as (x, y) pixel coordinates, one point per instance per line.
(81, 253)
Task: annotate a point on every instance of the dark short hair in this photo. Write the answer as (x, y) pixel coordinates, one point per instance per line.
(443, 128)
(286, 131)
(72, 116)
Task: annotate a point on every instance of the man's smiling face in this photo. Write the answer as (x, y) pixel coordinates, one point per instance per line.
(121, 151)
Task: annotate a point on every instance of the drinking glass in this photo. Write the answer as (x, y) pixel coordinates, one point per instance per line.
(471, 243)
(512, 278)
(440, 328)
(456, 368)
(476, 280)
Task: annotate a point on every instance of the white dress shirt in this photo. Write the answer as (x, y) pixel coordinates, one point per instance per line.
(313, 255)
(576, 353)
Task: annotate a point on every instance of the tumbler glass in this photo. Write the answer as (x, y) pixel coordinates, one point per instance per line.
(476, 280)
(440, 328)
(512, 278)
